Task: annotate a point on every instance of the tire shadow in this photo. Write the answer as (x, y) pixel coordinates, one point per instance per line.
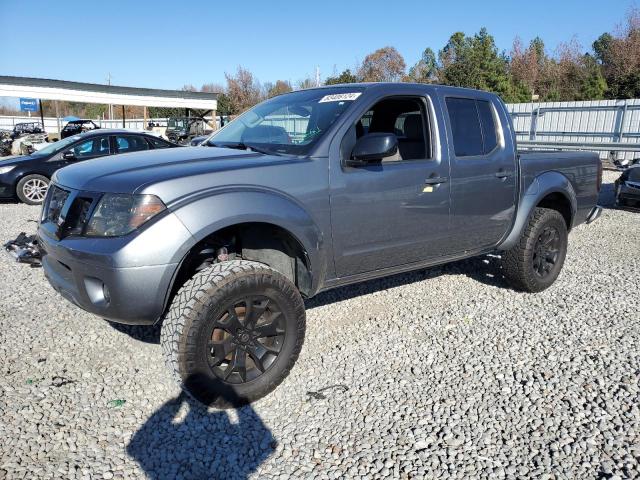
(183, 439)
(142, 333)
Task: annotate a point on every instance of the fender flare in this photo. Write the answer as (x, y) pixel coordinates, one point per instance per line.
(541, 186)
(232, 206)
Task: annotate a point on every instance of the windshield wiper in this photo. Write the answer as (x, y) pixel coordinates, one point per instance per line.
(244, 146)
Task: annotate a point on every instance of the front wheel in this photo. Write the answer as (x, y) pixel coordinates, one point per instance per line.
(536, 261)
(32, 189)
(233, 333)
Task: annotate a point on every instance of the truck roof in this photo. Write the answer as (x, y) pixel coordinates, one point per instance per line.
(370, 85)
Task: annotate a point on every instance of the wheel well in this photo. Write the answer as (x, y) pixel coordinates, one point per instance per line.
(559, 202)
(262, 242)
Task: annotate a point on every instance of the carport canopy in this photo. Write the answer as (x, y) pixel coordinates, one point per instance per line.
(46, 89)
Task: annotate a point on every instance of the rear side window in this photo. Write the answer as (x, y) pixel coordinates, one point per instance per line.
(473, 126)
(157, 143)
(130, 143)
(465, 126)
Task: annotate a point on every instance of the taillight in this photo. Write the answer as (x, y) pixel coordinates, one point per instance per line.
(599, 174)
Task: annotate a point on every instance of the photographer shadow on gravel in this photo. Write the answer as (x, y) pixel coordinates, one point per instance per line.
(183, 439)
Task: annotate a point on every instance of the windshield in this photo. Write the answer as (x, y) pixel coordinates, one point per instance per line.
(290, 123)
(56, 146)
(176, 123)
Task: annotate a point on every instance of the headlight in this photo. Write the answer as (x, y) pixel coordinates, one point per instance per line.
(6, 169)
(119, 214)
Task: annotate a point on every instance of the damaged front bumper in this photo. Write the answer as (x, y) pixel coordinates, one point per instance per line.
(25, 249)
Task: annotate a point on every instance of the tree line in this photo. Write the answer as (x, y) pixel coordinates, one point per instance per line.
(610, 69)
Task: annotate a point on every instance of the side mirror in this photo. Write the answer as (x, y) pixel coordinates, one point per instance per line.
(373, 147)
(69, 155)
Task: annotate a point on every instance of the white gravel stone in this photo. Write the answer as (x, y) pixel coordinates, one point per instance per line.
(449, 374)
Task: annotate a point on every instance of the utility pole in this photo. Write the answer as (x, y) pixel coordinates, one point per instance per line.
(110, 106)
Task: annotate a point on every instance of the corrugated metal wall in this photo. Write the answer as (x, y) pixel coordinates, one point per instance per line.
(601, 121)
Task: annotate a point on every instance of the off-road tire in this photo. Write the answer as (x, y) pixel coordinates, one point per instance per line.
(196, 308)
(518, 262)
(23, 195)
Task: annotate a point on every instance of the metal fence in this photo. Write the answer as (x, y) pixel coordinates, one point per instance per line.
(609, 127)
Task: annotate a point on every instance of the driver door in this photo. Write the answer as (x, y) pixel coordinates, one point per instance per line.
(396, 211)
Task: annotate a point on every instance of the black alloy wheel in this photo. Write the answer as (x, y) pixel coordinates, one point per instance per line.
(246, 339)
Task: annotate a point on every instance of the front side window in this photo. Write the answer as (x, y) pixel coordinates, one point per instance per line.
(94, 147)
(290, 123)
(473, 126)
(405, 118)
(130, 143)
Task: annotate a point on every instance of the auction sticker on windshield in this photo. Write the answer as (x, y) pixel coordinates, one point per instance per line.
(340, 97)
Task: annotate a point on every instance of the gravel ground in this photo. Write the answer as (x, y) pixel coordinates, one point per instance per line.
(434, 374)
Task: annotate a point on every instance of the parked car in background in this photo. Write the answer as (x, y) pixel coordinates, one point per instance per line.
(26, 128)
(27, 176)
(75, 127)
(182, 130)
(24, 138)
(627, 187)
(305, 192)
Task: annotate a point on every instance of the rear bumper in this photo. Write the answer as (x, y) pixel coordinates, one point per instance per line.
(132, 295)
(594, 214)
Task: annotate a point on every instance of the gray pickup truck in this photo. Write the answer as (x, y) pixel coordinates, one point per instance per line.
(305, 192)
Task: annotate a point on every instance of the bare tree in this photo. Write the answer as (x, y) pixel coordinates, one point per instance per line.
(243, 90)
(278, 88)
(212, 88)
(384, 65)
(306, 83)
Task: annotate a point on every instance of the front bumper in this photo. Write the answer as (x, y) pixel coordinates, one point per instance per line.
(7, 189)
(131, 295)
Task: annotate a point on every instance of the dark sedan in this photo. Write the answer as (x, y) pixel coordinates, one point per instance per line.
(628, 187)
(27, 177)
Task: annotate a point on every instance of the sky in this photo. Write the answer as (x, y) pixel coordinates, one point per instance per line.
(167, 44)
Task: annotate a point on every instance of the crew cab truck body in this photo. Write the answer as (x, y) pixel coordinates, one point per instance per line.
(305, 192)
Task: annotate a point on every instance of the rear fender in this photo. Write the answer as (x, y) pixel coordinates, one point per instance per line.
(543, 185)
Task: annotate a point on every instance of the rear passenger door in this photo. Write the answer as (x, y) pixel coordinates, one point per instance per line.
(483, 170)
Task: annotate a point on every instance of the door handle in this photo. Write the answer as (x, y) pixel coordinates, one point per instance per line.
(435, 180)
(502, 174)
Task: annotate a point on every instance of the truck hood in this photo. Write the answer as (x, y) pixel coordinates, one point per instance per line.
(130, 172)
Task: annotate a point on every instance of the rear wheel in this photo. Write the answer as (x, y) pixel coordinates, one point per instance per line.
(233, 333)
(536, 261)
(32, 189)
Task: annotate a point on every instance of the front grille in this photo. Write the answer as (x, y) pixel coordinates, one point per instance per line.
(66, 213)
(78, 216)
